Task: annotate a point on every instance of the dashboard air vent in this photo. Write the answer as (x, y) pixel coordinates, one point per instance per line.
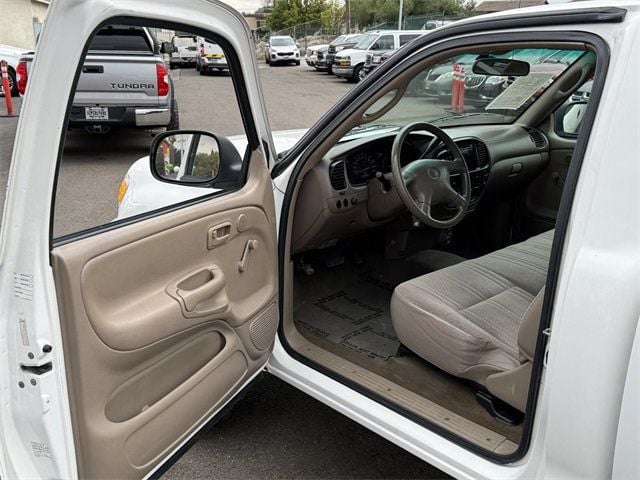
(336, 175)
(537, 137)
(482, 155)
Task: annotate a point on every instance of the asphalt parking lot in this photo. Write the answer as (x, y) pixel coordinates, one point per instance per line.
(276, 431)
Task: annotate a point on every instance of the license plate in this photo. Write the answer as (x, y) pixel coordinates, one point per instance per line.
(96, 113)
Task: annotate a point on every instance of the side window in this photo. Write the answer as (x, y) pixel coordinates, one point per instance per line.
(135, 84)
(568, 118)
(404, 39)
(385, 42)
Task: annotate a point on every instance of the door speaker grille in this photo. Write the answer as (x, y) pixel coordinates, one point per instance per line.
(263, 327)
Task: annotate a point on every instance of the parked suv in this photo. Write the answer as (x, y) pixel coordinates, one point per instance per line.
(282, 49)
(341, 43)
(349, 63)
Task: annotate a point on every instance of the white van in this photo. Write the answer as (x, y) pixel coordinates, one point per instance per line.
(348, 63)
(210, 57)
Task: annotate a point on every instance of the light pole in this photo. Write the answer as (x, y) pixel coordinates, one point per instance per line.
(400, 16)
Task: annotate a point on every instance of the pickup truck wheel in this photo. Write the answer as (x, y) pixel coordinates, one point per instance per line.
(358, 74)
(298, 63)
(174, 122)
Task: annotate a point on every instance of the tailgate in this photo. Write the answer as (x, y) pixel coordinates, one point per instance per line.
(119, 80)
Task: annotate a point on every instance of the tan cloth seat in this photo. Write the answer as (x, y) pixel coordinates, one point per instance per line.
(466, 318)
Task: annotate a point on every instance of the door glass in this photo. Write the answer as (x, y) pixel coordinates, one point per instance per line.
(136, 83)
(385, 42)
(404, 39)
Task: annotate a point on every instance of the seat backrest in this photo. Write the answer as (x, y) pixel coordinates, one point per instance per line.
(528, 332)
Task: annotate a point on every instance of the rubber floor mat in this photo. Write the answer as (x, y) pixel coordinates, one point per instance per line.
(357, 318)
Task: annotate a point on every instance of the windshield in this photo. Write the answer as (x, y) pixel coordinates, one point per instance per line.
(338, 40)
(436, 94)
(365, 41)
(282, 42)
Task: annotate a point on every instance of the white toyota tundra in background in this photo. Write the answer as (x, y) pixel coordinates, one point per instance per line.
(485, 319)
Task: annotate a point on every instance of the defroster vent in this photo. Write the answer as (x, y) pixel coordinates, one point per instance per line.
(337, 176)
(537, 137)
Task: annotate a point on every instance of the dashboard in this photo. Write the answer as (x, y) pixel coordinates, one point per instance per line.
(356, 186)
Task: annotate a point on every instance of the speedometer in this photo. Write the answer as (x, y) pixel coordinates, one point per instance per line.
(361, 167)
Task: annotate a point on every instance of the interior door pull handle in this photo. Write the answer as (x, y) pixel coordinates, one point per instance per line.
(243, 264)
(212, 287)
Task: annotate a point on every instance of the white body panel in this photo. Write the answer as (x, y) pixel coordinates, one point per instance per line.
(595, 311)
(35, 429)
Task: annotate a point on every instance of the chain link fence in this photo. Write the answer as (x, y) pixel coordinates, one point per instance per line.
(318, 33)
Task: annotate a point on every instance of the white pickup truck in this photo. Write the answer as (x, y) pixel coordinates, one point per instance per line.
(465, 285)
(123, 83)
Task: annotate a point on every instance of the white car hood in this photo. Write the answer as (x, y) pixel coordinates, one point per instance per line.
(286, 48)
(145, 193)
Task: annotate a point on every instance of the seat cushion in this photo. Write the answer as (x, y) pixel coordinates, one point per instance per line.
(465, 318)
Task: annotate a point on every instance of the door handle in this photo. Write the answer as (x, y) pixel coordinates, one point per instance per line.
(218, 235)
(202, 292)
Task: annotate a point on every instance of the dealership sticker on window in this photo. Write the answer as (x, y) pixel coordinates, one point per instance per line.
(520, 91)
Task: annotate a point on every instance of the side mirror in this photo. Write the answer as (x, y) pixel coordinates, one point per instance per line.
(167, 47)
(569, 118)
(194, 158)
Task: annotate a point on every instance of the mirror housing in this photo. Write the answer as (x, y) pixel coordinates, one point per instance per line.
(500, 67)
(167, 47)
(195, 158)
(568, 118)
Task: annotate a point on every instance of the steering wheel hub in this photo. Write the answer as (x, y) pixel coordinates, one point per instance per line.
(425, 182)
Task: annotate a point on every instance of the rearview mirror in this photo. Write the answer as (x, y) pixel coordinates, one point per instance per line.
(501, 67)
(167, 47)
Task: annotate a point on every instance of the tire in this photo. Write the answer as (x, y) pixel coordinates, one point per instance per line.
(202, 72)
(197, 66)
(13, 84)
(172, 66)
(356, 74)
(330, 70)
(298, 63)
(174, 121)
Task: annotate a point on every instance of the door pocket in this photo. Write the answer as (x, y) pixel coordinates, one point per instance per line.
(142, 391)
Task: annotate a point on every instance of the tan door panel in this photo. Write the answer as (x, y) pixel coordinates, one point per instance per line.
(163, 321)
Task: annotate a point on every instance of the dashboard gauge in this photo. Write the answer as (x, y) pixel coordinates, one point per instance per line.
(362, 167)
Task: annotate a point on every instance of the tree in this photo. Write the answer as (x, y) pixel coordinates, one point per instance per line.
(443, 7)
(285, 14)
(332, 17)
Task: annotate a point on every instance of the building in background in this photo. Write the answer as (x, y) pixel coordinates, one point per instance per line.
(21, 22)
(490, 6)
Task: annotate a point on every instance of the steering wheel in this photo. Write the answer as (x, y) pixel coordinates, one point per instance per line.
(425, 183)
